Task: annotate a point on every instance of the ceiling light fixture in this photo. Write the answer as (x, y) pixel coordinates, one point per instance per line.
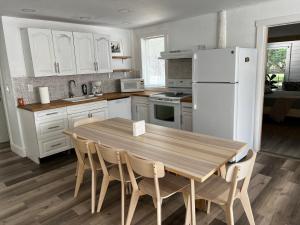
(29, 10)
(124, 11)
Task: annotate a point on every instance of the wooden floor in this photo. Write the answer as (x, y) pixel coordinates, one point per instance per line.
(35, 195)
(282, 138)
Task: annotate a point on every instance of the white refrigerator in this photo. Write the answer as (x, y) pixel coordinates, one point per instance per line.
(224, 82)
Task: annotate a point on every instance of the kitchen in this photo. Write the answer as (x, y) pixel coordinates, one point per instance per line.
(56, 74)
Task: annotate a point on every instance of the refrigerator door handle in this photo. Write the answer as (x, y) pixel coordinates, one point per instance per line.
(195, 101)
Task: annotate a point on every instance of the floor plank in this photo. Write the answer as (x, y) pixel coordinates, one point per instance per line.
(33, 194)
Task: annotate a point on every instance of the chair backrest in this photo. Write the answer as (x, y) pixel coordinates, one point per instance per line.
(245, 168)
(145, 168)
(82, 147)
(111, 155)
(86, 121)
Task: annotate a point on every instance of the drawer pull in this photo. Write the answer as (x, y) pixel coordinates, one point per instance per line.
(56, 145)
(50, 128)
(49, 114)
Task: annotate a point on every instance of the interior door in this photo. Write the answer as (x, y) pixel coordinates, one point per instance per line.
(102, 53)
(64, 52)
(84, 52)
(42, 51)
(3, 127)
(214, 109)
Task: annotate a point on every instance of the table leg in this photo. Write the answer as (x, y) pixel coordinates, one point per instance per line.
(193, 208)
(223, 171)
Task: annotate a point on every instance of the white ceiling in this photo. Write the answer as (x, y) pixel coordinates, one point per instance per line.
(106, 12)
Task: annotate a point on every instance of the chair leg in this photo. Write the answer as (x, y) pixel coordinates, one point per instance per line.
(158, 209)
(154, 202)
(187, 202)
(133, 203)
(229, 215)
(208, 207)
(79, 179)
(93, 193)
(104, 186)
(122, 203)
(247, 207)
(77, 166)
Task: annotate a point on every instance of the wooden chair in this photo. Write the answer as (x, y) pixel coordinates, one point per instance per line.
(116, 171)
(224, 191)
(156, 183)
(86, 121)
(85, 152)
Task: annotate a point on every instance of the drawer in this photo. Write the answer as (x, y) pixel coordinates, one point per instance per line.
(52, 128)
(54, 145)
(86, 107)
(51, 114)
(187, 107)
(139, 99)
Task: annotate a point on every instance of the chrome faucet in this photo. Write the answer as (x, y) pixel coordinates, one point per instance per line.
(71, 93)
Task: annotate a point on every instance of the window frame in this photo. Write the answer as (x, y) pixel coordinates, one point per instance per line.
(142, 44)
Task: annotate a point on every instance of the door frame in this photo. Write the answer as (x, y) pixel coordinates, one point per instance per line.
(262, 27)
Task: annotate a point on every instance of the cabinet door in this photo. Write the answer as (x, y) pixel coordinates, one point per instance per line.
(42, 52)
(84, 52)
(64, 52)
(142, 112)
(75, 117)
(102, 53)
(100, 114)
(187, 121)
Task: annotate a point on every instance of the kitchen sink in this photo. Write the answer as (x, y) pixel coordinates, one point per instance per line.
(80, 99)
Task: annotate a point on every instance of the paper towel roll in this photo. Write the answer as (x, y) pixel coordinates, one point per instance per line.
(44, 95)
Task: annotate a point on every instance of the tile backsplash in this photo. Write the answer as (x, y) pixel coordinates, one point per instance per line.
(58, 86)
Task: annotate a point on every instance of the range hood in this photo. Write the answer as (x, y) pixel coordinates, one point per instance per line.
(180, 54)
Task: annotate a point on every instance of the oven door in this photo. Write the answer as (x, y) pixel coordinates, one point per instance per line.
(165, 114)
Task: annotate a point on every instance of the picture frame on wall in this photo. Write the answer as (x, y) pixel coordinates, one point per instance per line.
(116, 48)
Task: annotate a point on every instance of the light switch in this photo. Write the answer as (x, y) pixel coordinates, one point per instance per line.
(30, 88)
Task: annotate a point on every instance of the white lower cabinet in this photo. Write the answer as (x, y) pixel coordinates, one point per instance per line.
(187, 116)
(140, 108)
(43, 130)
(120, 108)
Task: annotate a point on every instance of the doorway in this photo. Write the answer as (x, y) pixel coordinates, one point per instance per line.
(281, 107)
(4, 137)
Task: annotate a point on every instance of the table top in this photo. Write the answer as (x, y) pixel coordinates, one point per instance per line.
(185, 153)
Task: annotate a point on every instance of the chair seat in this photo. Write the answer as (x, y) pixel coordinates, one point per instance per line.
(215, 189)
(115, 173)
(168, 185)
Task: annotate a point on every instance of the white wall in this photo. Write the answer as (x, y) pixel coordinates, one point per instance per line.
(203, 29)
(13, 65)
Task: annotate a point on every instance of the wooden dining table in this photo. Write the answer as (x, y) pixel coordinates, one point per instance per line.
(192, 155)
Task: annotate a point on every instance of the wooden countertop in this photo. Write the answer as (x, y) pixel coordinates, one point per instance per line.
(61, 103)
(187, 99)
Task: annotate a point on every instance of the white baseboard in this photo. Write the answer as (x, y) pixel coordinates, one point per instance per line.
(18, 150)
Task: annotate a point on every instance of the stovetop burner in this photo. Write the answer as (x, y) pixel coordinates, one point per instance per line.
(169, 96)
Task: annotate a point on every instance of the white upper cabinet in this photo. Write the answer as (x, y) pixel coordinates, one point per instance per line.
(64, 52)
(84, 52)
(39, 52)
(102, 53)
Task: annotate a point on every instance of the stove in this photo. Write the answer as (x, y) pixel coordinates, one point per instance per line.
(165, 109)
(169, 97)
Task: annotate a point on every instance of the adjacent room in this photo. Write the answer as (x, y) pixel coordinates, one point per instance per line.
(139, 112)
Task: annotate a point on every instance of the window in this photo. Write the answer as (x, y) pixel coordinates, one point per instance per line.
(278, 57)
(153, 67)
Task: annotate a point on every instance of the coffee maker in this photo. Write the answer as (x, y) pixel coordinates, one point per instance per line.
(97, 88)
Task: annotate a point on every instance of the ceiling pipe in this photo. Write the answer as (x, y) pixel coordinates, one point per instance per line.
(222, 29)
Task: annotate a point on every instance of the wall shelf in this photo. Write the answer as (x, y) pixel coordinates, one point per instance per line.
(122, 70)
(121, 57)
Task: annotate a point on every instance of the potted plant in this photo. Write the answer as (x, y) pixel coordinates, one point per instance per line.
(270, 83)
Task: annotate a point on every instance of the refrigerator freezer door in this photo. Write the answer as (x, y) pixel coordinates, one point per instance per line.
(215, 65)
(214, 109)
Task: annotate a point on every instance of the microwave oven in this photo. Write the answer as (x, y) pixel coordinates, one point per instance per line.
(132, 85)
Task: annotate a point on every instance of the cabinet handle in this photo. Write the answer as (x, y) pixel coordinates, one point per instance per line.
(95, 66)
(55, 67)
(50, 128)
(58, 69)
(49, 114)
(52, 146)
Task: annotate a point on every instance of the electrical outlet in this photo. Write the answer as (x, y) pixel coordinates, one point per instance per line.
(30, 88)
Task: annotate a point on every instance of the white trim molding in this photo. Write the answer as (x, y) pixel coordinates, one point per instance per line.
(18, 150)
(262, 27)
